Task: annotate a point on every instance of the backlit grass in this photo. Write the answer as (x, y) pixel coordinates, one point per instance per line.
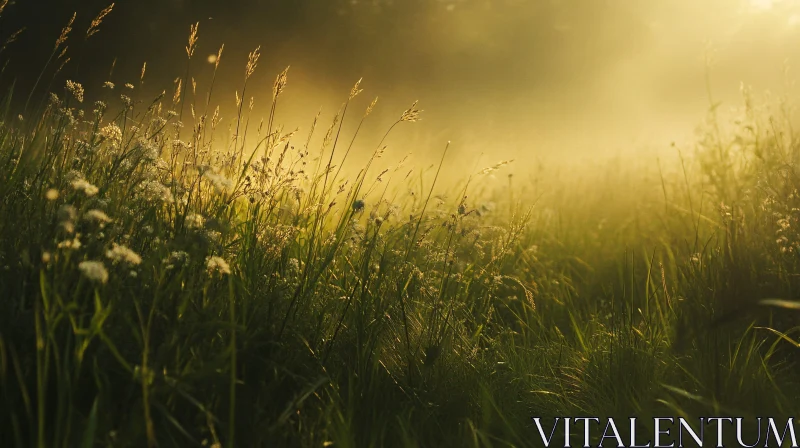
(167, 282)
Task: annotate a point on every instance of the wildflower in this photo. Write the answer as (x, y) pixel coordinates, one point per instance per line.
(94, 271)
(84, 186)
(46, 256)
(108, 84)
(175, 259)
(378, 221)
(112, 132)
(51, 194)
(66, 213)
(156, 191)
(411, 114)
(97, 216)
(358, 205)
(73, 244)
(128, 85)
(216, 264)
(220, 182)
(194, 221)
(127, 101)
(76, 90)
(123, 254)
(293, 265)
(213, 236)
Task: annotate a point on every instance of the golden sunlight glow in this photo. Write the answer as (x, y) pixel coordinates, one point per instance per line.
(762, 4)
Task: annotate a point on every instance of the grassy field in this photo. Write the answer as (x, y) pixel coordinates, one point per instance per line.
(164, 283)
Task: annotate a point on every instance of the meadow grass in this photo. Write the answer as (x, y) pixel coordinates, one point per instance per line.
(166, 284)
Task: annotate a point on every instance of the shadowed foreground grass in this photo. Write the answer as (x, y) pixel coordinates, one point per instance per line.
(166, 283)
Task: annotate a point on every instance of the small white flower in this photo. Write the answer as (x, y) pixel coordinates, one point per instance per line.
(123, 254)
(84, 186)
(108, 84)
(195, 221)
(220, 182)
(216, 264)
(51, 194)
(76, 90)
(97, 216)
(213, 236)
(156, 191)
(73, 244)
(94, 271)
(176, 259)
(129, 86)
(112, 132)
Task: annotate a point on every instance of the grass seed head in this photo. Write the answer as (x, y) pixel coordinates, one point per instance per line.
(94, 27)
(65, 32)
(192, 40)
(94, 270)
(75, 89)
(217, 265)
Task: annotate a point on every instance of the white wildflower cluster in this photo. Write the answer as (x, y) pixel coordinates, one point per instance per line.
(123, 254)
(294, 266)
(194, 221)
(99, 108)
(148, 149)
(70, 244)
(217, 265)
(85, 186)
(176, 259)
(94, 270)
(156, 191)
(213, 236)
(97, 216)
(126, 101)
(218, 181)
(109, 85)
(112, 133)
(76, 90)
